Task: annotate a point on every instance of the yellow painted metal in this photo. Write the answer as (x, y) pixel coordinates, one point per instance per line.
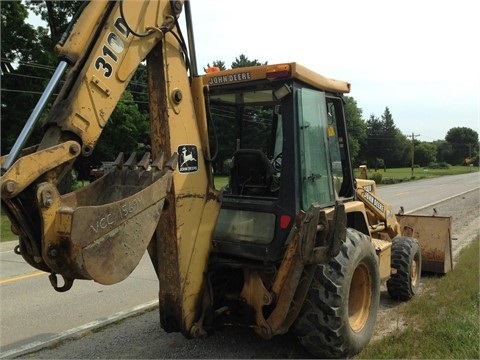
(105, 46)
(380, 214)
(359, 298)
(434, 236)
(81, 34)
(186, 228)
(286, 70)
(432, 232)
(383, 248)
(101, 231)
(30, 167)
(100, 75)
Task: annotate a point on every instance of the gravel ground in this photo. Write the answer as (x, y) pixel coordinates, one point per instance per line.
(141, 337)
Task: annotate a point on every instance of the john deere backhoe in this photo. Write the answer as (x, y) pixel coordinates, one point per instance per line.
(293, 242)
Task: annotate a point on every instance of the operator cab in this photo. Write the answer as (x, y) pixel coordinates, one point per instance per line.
(281, 140)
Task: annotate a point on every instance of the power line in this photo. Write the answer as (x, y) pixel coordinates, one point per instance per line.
(29, 64)
(24, 91)
(26, 76)
(40, 93)
(34, 65)
(52, 68)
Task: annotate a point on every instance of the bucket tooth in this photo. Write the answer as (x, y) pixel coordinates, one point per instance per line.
(145, 162)
(157, 163)
(118, 163)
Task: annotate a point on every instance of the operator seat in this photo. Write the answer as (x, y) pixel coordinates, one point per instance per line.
(251, 173)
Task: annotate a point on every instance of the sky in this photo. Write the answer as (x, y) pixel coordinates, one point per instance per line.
(418, 58)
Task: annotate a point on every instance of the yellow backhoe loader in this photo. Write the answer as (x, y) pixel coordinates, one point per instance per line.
(293, 242)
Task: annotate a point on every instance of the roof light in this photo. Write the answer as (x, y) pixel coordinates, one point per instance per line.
(212, 69)
(278, 71)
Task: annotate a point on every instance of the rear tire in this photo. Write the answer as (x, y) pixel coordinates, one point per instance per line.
(407, 262)
(340, 310)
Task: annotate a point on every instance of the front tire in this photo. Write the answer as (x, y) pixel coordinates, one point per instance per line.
(407, 262)
(339, 313)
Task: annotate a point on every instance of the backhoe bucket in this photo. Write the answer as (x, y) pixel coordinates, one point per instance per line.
(101, 231)
(434, 235)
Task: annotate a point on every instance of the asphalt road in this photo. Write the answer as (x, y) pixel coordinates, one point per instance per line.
(413, 195)
(32, 312)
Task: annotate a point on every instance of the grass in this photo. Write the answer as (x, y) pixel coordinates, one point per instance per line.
(443, 321)
(405, 174)
(5, 229)
(220, 181)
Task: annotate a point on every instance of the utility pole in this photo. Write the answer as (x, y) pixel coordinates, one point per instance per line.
(413, 149)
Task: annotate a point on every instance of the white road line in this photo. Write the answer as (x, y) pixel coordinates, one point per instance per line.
(439, 201)
(78, 331)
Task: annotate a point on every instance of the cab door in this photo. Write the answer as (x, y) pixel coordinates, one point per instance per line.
(316, 182)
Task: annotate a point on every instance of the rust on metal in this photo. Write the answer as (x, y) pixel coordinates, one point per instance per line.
(257, 296)
(293, 278)
(101, 231)
(434, 235)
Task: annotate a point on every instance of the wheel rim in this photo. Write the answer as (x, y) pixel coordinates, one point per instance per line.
(415, 271)
(359, 298)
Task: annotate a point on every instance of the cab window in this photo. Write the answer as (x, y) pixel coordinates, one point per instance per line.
(316, 176)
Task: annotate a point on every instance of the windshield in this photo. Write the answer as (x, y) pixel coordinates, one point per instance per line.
(245, 120)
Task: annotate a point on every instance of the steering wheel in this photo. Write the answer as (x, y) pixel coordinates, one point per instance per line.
(277, 162)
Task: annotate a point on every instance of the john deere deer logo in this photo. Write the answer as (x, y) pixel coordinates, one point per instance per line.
(188, 159)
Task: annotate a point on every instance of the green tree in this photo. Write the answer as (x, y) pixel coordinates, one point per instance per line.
(357, 129)
(28, 62)
(243, 61)
(395, 147)
(425, 153)
(139, 89)
(26, 69)
(373, 146)
(240, 61)
(123, 130)
(464, 144)
(386, 145)
(57, 14)
(18, 44)
(23, 84)
(127, 131)
(444, 149)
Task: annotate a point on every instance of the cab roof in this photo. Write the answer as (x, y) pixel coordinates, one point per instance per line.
(215, 77)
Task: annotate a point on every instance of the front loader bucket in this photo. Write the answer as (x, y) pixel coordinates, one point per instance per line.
(101, 231)
(434, 235)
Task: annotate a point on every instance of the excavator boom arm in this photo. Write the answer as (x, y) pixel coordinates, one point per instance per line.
(166, 204)
(102, 50)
